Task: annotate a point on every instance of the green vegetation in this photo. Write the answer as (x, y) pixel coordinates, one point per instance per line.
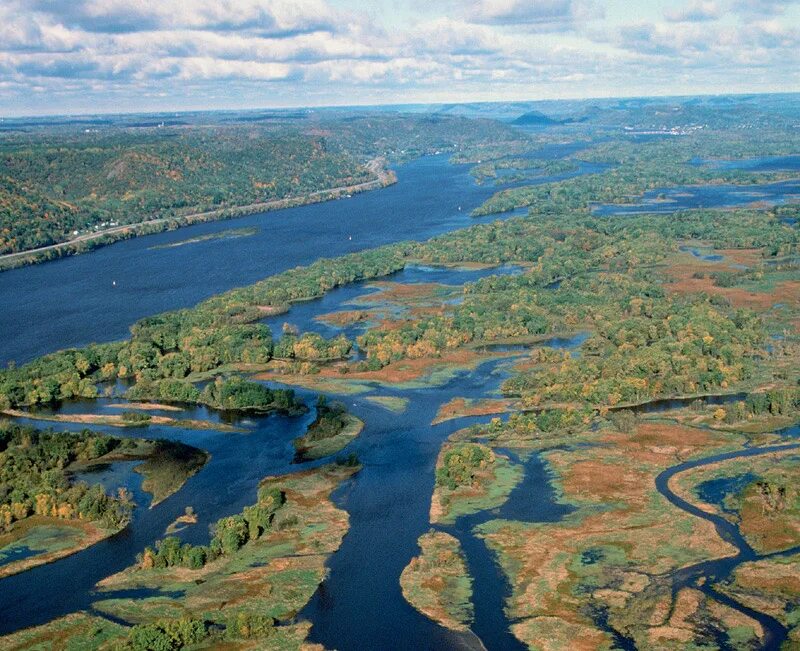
(127, 177)
(38, 539)
(769, 585)
(460, 466)
(136, 417)
(245, 587)
(34, 479)
(331, 431)
(666, 347)
(765, 506)
(395, 404)
(58, 185)
(236, 394)
(167, 467)
(522, 169)
(166, 635)
(471, 477)
(230, 534)
(75, 631)
(165, 350)
(591, 261)
(44, 510)
(437, 582)
(533, 429)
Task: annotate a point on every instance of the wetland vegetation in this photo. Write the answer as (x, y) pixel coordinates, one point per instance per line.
(437, 581)
(40, 500)
(332, 429)
(586, 445)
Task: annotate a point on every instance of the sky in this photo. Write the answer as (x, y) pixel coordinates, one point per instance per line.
(99, 56)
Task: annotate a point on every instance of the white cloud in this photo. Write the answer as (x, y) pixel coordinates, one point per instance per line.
(699, 11)
(762, 7)
(119, 16)
(103, 52)
(541, 14)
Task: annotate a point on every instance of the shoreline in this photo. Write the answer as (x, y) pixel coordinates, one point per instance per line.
(91, 241)
(93, 535)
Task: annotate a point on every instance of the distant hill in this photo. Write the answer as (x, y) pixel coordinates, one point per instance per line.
(535, 118)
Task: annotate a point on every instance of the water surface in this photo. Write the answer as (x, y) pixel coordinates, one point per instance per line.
(669, 200)
(98, 295)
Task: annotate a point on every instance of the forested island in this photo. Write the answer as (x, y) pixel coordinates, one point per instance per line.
(41, 504)
(579, 425)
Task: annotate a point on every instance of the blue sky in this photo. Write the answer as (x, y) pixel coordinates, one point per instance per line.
(78, 56)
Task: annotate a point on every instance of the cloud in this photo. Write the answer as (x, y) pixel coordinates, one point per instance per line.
(205, 68)
(695, 12)
(206, 53)
(268, 17)
(745, 48)
(454, 37)
(762, 7)
(20, 30)
(554, 15)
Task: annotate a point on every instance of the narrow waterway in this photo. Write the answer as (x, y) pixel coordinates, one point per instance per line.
(532, 500)
(360, 604)
(702, 576)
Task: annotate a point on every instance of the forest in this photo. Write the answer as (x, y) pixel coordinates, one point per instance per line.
(682, 336)
(34, 481)
(58, 184)
(166, 353)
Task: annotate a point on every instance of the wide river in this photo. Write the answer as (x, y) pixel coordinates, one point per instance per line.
(95, 297)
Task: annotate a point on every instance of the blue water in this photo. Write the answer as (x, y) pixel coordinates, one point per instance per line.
(701, 254)
(97, 296)
(113, 476)
(669, 200)
(387, 503)
(571, 344)
(355, 296)
(17, 552)
(667, 404)
(714, 491)
(224, 486)
(73, 301)
(705, 575)
(762, 164)
(532, 500)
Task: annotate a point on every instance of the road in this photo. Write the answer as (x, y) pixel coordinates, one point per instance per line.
(377, 166)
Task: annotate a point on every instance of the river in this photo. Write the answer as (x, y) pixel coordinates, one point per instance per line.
(96, 296)
(111, 287)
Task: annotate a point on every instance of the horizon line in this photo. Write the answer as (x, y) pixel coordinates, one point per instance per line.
(385, 105)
